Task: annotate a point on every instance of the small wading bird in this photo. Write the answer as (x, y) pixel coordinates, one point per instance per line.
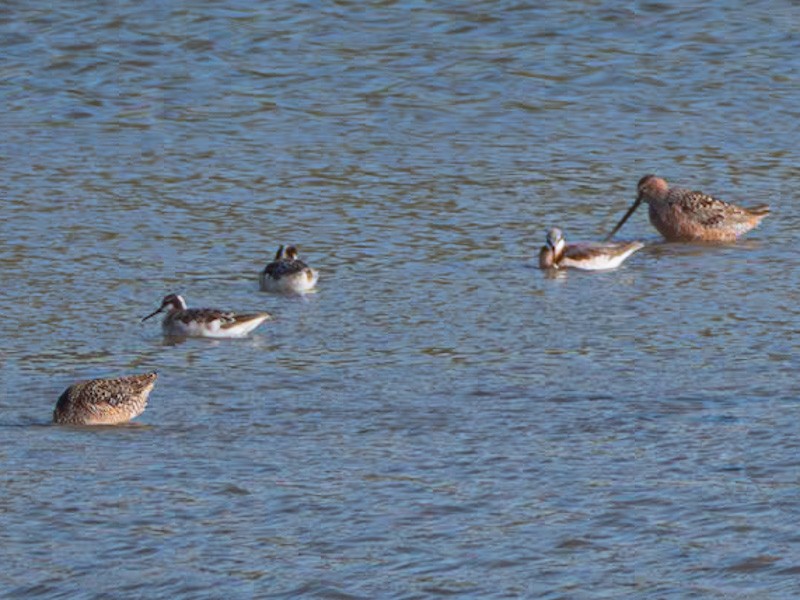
(104, 401)
(590, 256)
(683, 215)
(288, 274)
(204, 322)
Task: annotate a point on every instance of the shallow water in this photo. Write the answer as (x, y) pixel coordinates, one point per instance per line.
(441, 418)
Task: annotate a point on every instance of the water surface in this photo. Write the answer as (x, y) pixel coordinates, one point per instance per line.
(441, 418)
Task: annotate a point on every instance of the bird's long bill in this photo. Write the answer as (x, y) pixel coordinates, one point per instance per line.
(153, 314)
(625, 218)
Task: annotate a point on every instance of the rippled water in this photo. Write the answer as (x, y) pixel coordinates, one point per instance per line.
(440, 419)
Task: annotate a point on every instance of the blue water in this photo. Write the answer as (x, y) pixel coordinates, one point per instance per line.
(441, 419)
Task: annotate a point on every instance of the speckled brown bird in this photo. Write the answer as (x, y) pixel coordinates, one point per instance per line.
(683, 215)
(104, 401)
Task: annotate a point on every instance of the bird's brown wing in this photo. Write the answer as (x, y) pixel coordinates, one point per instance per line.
(587, 251)
(705, 210)
(205, 315)
(281, 268)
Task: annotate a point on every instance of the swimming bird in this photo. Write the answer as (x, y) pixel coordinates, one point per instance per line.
(204, 322)
(288, 274)
(104, 401)
(683, 215)
(589, 256)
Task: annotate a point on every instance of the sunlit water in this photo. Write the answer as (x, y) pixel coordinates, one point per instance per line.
(441, 418)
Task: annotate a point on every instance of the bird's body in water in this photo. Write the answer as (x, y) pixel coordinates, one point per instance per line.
(589, 256)
(683, 215)
(181, 321)
(288, 274)
(104, 401)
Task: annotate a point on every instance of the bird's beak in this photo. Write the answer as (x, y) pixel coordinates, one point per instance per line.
(153, 314)
(625, 218)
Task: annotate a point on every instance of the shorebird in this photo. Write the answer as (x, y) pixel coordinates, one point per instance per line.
(590, 256)
(104, 401)
(204, 322)
(683, 215)
(288, 274)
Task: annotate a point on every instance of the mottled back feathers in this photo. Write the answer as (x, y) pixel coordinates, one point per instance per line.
(104, 401)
